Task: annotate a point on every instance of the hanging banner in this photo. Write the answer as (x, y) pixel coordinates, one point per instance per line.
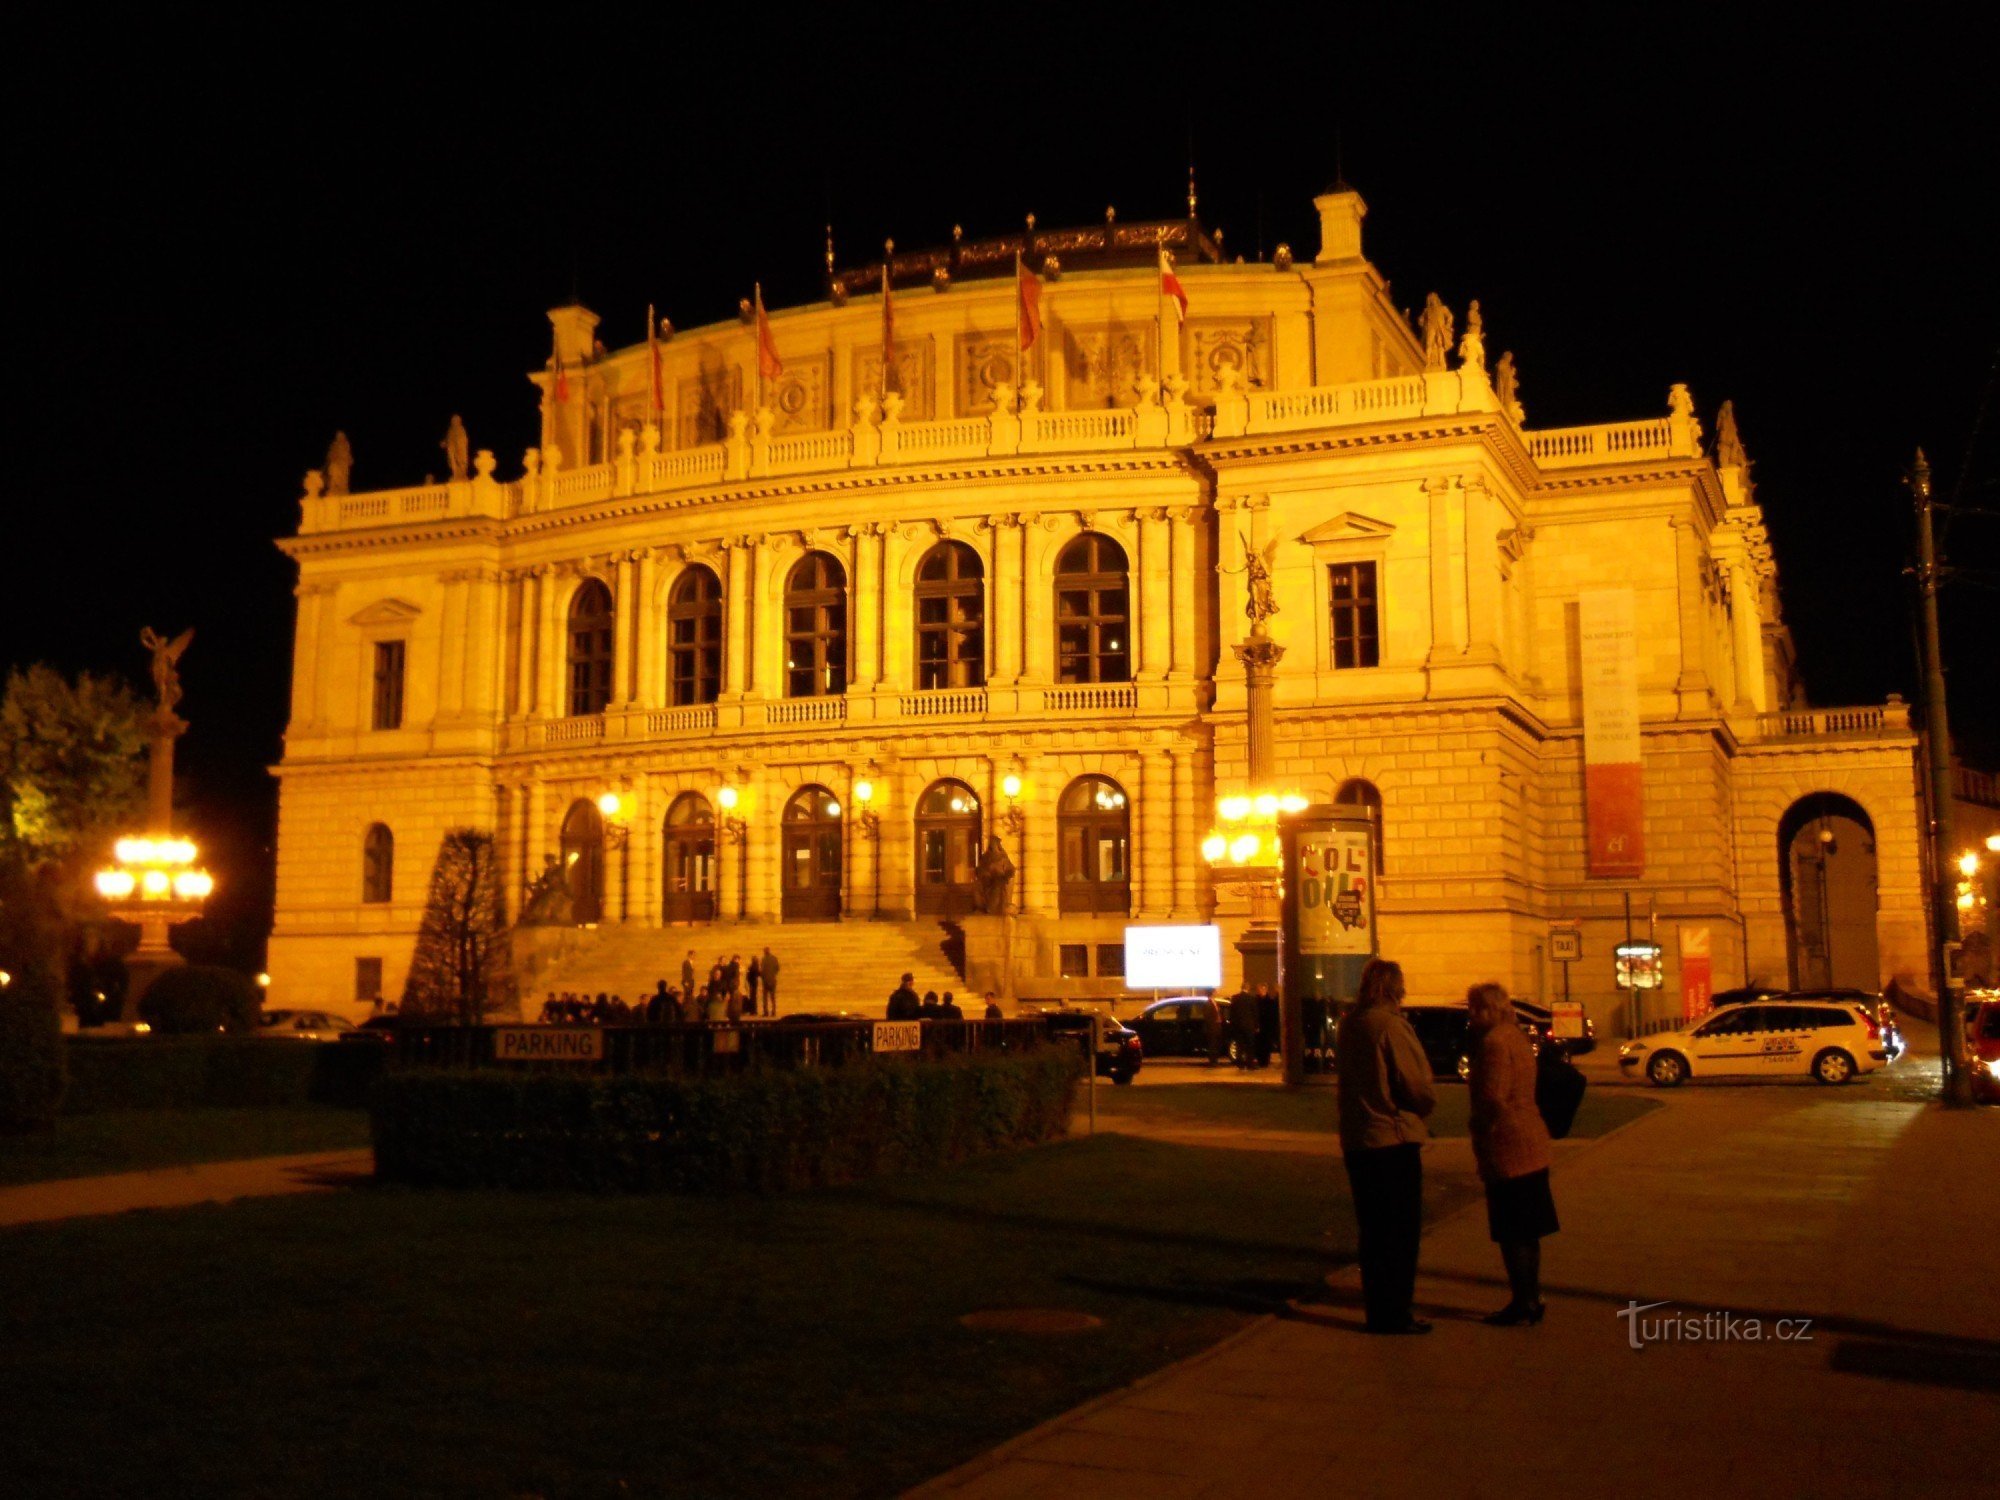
(1613, 791)
(1697, 974)
(1336, 907)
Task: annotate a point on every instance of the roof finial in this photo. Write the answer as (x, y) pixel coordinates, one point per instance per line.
(829, 249)
(1191, 199)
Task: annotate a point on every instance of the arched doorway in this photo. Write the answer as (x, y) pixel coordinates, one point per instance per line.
(1827, 867)
(1094, 824)
(689, 875)
(583, 861)
(947, 848)
(811, 873)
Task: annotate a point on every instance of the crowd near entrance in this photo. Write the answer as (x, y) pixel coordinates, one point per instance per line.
(947, 849)
(812, 856)
(1826, 853)
(690, 860)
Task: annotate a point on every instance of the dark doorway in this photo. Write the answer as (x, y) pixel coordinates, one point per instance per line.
(812, 856)
(1826, 853)
(583, 862)
(689, 873)
(947, 849)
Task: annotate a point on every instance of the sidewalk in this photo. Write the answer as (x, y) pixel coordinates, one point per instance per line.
(182, 1187)
(1872, 1218)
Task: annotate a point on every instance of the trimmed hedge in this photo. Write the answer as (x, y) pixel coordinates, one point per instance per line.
(31, 1052)
(201, 998)
(217, 1071)
(762, 1131)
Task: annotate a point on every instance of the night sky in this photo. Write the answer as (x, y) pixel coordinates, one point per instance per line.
(224, 247)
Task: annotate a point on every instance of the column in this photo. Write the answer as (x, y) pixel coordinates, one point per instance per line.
(1186, 592)
(479, 691)
(1446, 643)
(732, 849)
(549, 646)
(513, 696)
(648, 685)
(307, 675)
(766, 630)
(643, 902)
(736, 641)
(1187, 833)
(1155, 595)
(451, 646)
(624, 617)
(1152, 862)
(1482, 525)
(1747, 617)
(766, 798)
(865, 599)
(535, 821)
(616, 861)
(1038, 648)
(899, 669)
(1693, 682)
(1003, 635)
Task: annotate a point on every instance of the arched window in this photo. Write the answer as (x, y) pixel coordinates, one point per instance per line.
(951, 618)
(690, 859)
(816, 627)
(1093, 615)
(591, 625)
(811, 874)
(947, 848)
(583, 861)
(694, 638)
(1094, 825)
(1358, 793)
(378, 864)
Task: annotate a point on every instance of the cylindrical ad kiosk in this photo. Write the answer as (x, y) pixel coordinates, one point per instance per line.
(1329, 923)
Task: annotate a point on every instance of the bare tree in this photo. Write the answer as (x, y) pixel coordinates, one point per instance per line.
(461, 969)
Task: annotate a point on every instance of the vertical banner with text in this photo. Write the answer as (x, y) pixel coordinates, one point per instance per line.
(1697, 974)
(1613, 789)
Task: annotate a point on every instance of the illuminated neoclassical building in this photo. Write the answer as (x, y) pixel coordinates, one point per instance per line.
(783, 640)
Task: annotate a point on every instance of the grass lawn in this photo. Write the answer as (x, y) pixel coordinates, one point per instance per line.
(131, 1140)
(397, 1342)
(1313, 1109)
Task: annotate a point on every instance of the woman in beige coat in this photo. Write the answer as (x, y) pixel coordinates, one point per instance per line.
(1511, 1145)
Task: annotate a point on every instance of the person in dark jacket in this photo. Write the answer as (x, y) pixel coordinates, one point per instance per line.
(993, 1011)
(755, 979)
(687, 974)
(903, 1002)
(1385, 1093)
(929, 1008)
(770, 965)
(732, 975)
(1510, 1143)
(1243, 1028)
(948, 1008)
(659, 1007)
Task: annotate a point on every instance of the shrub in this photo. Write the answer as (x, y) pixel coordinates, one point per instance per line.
(32, 1075)
(762, 1131)
(217, 1071)
(201, 998)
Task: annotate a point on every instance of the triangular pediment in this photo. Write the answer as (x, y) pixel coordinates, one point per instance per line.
(387, 612)
(1348, 526)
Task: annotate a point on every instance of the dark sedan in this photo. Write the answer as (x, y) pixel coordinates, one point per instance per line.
(1183, 1026)
(1120, 1054)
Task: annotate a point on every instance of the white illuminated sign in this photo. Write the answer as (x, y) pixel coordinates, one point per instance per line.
(1173, 958)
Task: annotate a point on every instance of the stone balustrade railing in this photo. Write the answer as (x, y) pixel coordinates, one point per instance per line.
(1162, 417)
(1869, 721)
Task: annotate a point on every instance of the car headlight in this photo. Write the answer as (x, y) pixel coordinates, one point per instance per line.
(1992, 1067)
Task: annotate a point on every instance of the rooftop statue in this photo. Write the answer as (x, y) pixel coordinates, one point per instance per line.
(1436, 324)
(1506, 383)
(1728, 445)
(1472, 348)
(166, 654)
(457, 448)
(339, 464)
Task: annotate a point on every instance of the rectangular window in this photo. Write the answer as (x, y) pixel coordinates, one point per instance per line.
(368, 980)
(1111, 960)
(1354, 610)
(1075, 960)
(388, 685)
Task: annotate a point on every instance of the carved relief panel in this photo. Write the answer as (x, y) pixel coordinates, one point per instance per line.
(1241, 344)
(705, 400)
(801, 396)
(1101, 364)
(982, 362)
(912, 376)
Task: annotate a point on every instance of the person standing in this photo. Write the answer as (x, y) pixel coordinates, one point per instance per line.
(1385, 1093)
(755, 979)
(732, 975)
(903, 1002)
(1510, 1143)
(770, 962)
(687, 974)
(993, 1011)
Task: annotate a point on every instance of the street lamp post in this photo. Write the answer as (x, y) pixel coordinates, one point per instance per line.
(735, 833)
(868, 824)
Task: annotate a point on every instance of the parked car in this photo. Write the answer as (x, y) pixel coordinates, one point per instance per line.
(1982, 1040)
(1883, 1012)
(1540, 1024)
(1743, 994)
(303, 1025)
(376, 1029)
(1180, 1026)
(1440, 1026)
(1120, 1053)
(1832, 1042)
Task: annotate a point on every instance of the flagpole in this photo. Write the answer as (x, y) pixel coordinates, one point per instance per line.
(1160, 308)
(888, 332)
(757, 338)
(1020, 354)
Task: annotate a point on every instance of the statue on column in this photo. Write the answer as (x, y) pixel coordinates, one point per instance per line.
(1262, 600)
(339, 464)
(1436, 323)
(457, 448)
(166, 654)
(995, 874)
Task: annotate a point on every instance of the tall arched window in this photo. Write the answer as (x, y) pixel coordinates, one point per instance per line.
(1094, 826)
(816, 627)
(591, 626)
(1358, 793)
(951, 618)
(694, 637)
(378, 864)
(1093, 614)
(811, 873)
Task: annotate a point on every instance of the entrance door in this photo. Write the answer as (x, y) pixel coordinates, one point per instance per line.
(583, 862)
(689, 876)
(812, 855)
(947, 849)
(1094, 824)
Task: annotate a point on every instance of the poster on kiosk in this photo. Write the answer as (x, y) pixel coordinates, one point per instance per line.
(1328, 912)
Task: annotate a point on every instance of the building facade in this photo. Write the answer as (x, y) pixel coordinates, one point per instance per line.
(785, 640)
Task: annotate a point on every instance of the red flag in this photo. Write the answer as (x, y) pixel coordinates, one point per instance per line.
(768, 363)
(653, 360)
(1170, 284)
(1031, 305)
(562, 379)
(888, 333)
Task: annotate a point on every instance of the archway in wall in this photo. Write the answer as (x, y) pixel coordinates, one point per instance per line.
(812, 856)
(583, 861)
(1827, 871)
(688, 845)
(947, 849)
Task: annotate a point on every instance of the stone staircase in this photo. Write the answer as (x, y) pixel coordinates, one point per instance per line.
(823, 966)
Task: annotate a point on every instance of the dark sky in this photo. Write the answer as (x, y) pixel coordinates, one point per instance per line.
(227, 245)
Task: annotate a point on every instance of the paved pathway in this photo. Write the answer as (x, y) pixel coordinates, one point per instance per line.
(1872, 1216)
(184, 1186)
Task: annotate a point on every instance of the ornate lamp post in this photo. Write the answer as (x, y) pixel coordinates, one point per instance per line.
(154, 879)
(735, 833)
(868, 825)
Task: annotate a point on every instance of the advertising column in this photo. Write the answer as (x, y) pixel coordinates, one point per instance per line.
(1329, 922)
(1613, 791)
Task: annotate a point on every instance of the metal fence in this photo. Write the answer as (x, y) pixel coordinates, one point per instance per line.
(704, 1049)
